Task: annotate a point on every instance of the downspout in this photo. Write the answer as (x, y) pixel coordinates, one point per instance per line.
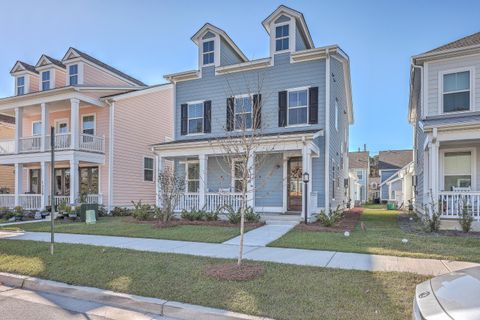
(111, 131)
(327, 133)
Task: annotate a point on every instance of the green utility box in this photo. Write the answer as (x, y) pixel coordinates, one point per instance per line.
(83, 211)
(390, 206)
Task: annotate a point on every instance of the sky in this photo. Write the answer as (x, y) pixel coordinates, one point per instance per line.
(148, 39)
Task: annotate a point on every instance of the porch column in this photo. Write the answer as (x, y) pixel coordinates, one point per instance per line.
(18, 127)
(202, 160)
(251, 185)
(306, 154)
(434, 171)
(44, 130)
(160, 166)
(44, 183)
(18, 182)
(74, 122)
(74, 182)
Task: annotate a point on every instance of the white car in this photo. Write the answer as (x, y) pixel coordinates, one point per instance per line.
(454, 295)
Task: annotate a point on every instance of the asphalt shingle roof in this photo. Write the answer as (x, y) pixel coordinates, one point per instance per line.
(394, 159)
(28, 67)
(358, 160)
(471, 40)
(55, 62)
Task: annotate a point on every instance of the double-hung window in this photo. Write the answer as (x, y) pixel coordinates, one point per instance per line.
(208, 52)
(457, 170)
(20, 85)
(456, 92)
(360, 174)
(88, 124)
(281, 37)
(36, 128)
(193, 176)
(238, 179)
(147, 169)
(243, 113)
(73, 74)
(45, 80)
(297, 107)
(195, 118)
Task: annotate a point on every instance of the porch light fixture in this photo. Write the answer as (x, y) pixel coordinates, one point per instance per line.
(306, 179)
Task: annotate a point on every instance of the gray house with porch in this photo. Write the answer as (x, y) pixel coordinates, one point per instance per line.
(298, 98)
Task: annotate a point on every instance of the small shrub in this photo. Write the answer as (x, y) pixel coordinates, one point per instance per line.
(211, 216)
(121, 212)
(251, 216)
(431, 223)
(18, 210)
(142, 211)
(9, 215)
(466, 219)
(193, 215)
(102, 211)
(328, 220)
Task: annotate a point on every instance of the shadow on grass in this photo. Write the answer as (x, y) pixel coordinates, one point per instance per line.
(283, 292)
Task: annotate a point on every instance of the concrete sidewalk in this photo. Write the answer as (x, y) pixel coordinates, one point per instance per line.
(262, 236)
(317, 258)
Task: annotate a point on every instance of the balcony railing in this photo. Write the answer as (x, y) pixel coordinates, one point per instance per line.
(63, 141)
(452, 204)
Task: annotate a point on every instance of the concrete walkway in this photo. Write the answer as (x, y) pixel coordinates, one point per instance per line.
(316, 258)
(262, 236)
(6, 224)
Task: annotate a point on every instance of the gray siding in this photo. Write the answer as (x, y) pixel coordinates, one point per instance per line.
(281, 76)
(219, 174)
(337, 136)
(269, 181)
(384, 175)
(299, 41)
(318, 173)
(420, 137)
(227, 54)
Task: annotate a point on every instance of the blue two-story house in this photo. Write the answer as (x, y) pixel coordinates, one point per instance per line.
(303, 117)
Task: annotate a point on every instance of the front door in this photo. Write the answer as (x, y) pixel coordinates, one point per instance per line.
(294, 183)
(62, 182)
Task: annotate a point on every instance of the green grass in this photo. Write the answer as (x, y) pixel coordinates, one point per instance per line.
(118, 226)
(283, 292)
(383, 236)
(375, 206)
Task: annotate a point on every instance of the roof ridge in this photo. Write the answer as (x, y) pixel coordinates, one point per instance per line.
(466, 41)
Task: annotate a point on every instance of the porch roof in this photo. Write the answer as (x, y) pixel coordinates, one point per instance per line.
(453, 120)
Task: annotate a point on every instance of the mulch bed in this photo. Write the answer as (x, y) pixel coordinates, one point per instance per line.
(348, 223)
(411, 224)
(235, 272)
(180, 222)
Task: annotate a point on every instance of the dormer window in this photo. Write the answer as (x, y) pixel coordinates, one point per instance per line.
(208, 52)
(281, 37)
(73, 74)
(20, 85)
(45, 80)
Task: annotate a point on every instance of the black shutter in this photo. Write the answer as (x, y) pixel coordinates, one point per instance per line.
(207, 116)
(282, 109)
(313, 105)
(184, 119)
(257, 111)
(230, 114)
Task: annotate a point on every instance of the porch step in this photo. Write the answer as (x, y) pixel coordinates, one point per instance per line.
(281, 219)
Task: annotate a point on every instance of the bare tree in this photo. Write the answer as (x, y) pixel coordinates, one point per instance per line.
(171, 188)
(241, 146)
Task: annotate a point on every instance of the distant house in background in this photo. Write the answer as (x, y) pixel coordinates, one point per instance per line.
(400, 186)
(7, 131)
(389, 163)
(373, 189)
(359, 169)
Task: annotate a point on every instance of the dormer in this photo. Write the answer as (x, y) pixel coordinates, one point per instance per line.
(52, 73)
(288, 31)
(216, 48)
(25, 77)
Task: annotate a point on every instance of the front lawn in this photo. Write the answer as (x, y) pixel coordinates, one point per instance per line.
(122, 226)
(384, 236)
(283, 292)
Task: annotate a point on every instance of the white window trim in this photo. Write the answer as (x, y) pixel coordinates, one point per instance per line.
(33, 123)
(205, 52)
(473, 152)
(281, 24)
(235, 113)
(51, 81)
(216, 51)
(25, 87)
(62, 120)
(79, 70)
(187, 162)
(188, 118)
(288, 107)
(291, 34)
(152, 169)
(441, 93)
(70, 74)
(94, 122)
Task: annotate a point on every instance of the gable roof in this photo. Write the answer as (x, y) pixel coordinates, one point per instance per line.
(358, 160)
(101, 64)
(300, 19)
(51, 60)
(210, 27)
(468, 41)
(23, 65)
(394, 159)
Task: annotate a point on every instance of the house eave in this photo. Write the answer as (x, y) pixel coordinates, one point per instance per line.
(183, 76)
(475, 49)
(245, 66)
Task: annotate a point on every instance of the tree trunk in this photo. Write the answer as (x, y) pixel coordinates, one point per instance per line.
(242, 226)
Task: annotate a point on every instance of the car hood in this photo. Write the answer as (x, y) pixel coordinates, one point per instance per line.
(459, 293)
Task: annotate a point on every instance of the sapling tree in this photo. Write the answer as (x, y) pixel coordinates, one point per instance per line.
(171, 188)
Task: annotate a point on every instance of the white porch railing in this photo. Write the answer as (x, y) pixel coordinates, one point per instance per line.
(30, 144)
(216, 200)
(188, 201)
(30, 201)
(92, 143)
(7, 146)
(7, 200)
(63, 141)
(90, 198)
(451, 204)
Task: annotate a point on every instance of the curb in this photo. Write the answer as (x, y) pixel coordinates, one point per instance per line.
(173, 309)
